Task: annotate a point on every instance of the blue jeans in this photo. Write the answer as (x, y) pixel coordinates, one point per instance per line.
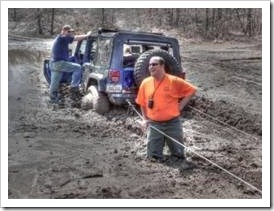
(156, 141)
(56, 74)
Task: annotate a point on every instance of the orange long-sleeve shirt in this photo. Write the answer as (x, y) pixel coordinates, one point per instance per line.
(166, 96)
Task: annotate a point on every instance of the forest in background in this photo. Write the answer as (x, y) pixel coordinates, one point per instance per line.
(201, 24)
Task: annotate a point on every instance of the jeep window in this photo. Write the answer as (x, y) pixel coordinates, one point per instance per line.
(130, 55)
(104, 53)
(147, 45)
(72, 48)
(136, 49)
(83, 47)
(81, 51)
(93, 50)
(153, 47)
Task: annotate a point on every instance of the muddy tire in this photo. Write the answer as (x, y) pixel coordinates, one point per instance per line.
(96, 100)
(141, 65)
(87, 101)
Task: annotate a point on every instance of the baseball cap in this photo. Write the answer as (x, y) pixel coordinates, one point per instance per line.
(68, 28)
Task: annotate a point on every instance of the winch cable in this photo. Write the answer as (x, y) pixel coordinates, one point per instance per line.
(190, 150)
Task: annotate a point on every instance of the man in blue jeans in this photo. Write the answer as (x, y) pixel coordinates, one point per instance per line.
(60, 63)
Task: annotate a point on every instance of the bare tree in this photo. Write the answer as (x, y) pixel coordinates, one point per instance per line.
(52, 21)
(14, 14)
(39, 21)
(103, 17)
(209, 23)
(249, 28)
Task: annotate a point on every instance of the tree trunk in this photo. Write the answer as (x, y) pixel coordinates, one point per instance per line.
(249, 30)
(213, 17)
(177, 17)
(196, 12)
(39, 21)
(220, 14)
(207, 21)
(239, 19)
(14, 14)
(103, 17)
(52, 22)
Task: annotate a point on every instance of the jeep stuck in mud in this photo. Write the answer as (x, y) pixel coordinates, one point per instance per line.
(115, 62)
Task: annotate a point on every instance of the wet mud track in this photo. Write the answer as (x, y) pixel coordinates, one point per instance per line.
(73, 153)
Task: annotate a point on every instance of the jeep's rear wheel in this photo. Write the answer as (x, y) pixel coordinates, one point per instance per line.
(96, 100)
(141, 66)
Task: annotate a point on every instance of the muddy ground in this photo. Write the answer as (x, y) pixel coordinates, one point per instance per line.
(73, 153)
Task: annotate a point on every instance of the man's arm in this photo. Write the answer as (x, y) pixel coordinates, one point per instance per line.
(185, 100)
(145, 120)
(143, 110)
(81, 37)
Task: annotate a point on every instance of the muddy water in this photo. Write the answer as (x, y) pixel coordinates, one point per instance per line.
(71, 153)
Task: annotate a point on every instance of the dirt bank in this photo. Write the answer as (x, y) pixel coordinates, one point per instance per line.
(72, 153)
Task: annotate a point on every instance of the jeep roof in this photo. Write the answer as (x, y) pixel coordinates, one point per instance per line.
(140, 37)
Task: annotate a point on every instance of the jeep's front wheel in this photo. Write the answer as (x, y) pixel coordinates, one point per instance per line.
(141, 66)
(96, 100)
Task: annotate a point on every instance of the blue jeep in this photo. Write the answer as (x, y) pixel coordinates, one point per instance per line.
(110, 76)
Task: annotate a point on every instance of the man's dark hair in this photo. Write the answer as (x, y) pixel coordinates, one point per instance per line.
(161, 61)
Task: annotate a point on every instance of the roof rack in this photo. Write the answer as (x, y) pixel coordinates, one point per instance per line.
(102, 30)
(156, 33)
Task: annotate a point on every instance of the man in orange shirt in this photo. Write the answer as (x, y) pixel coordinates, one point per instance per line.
(162, 97)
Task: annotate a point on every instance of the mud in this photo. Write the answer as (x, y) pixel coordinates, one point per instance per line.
(74, 153)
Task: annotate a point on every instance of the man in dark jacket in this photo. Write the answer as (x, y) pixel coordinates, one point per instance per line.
(60, 63)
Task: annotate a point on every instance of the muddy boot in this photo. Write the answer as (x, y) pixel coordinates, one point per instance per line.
(62, 96)
(156, 159)
(75, 93)
(54, 99)
(76, 97)
(186, 165)
(61, 103)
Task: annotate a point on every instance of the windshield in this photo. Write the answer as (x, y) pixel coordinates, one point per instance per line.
(102, 59)
(83, 47)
